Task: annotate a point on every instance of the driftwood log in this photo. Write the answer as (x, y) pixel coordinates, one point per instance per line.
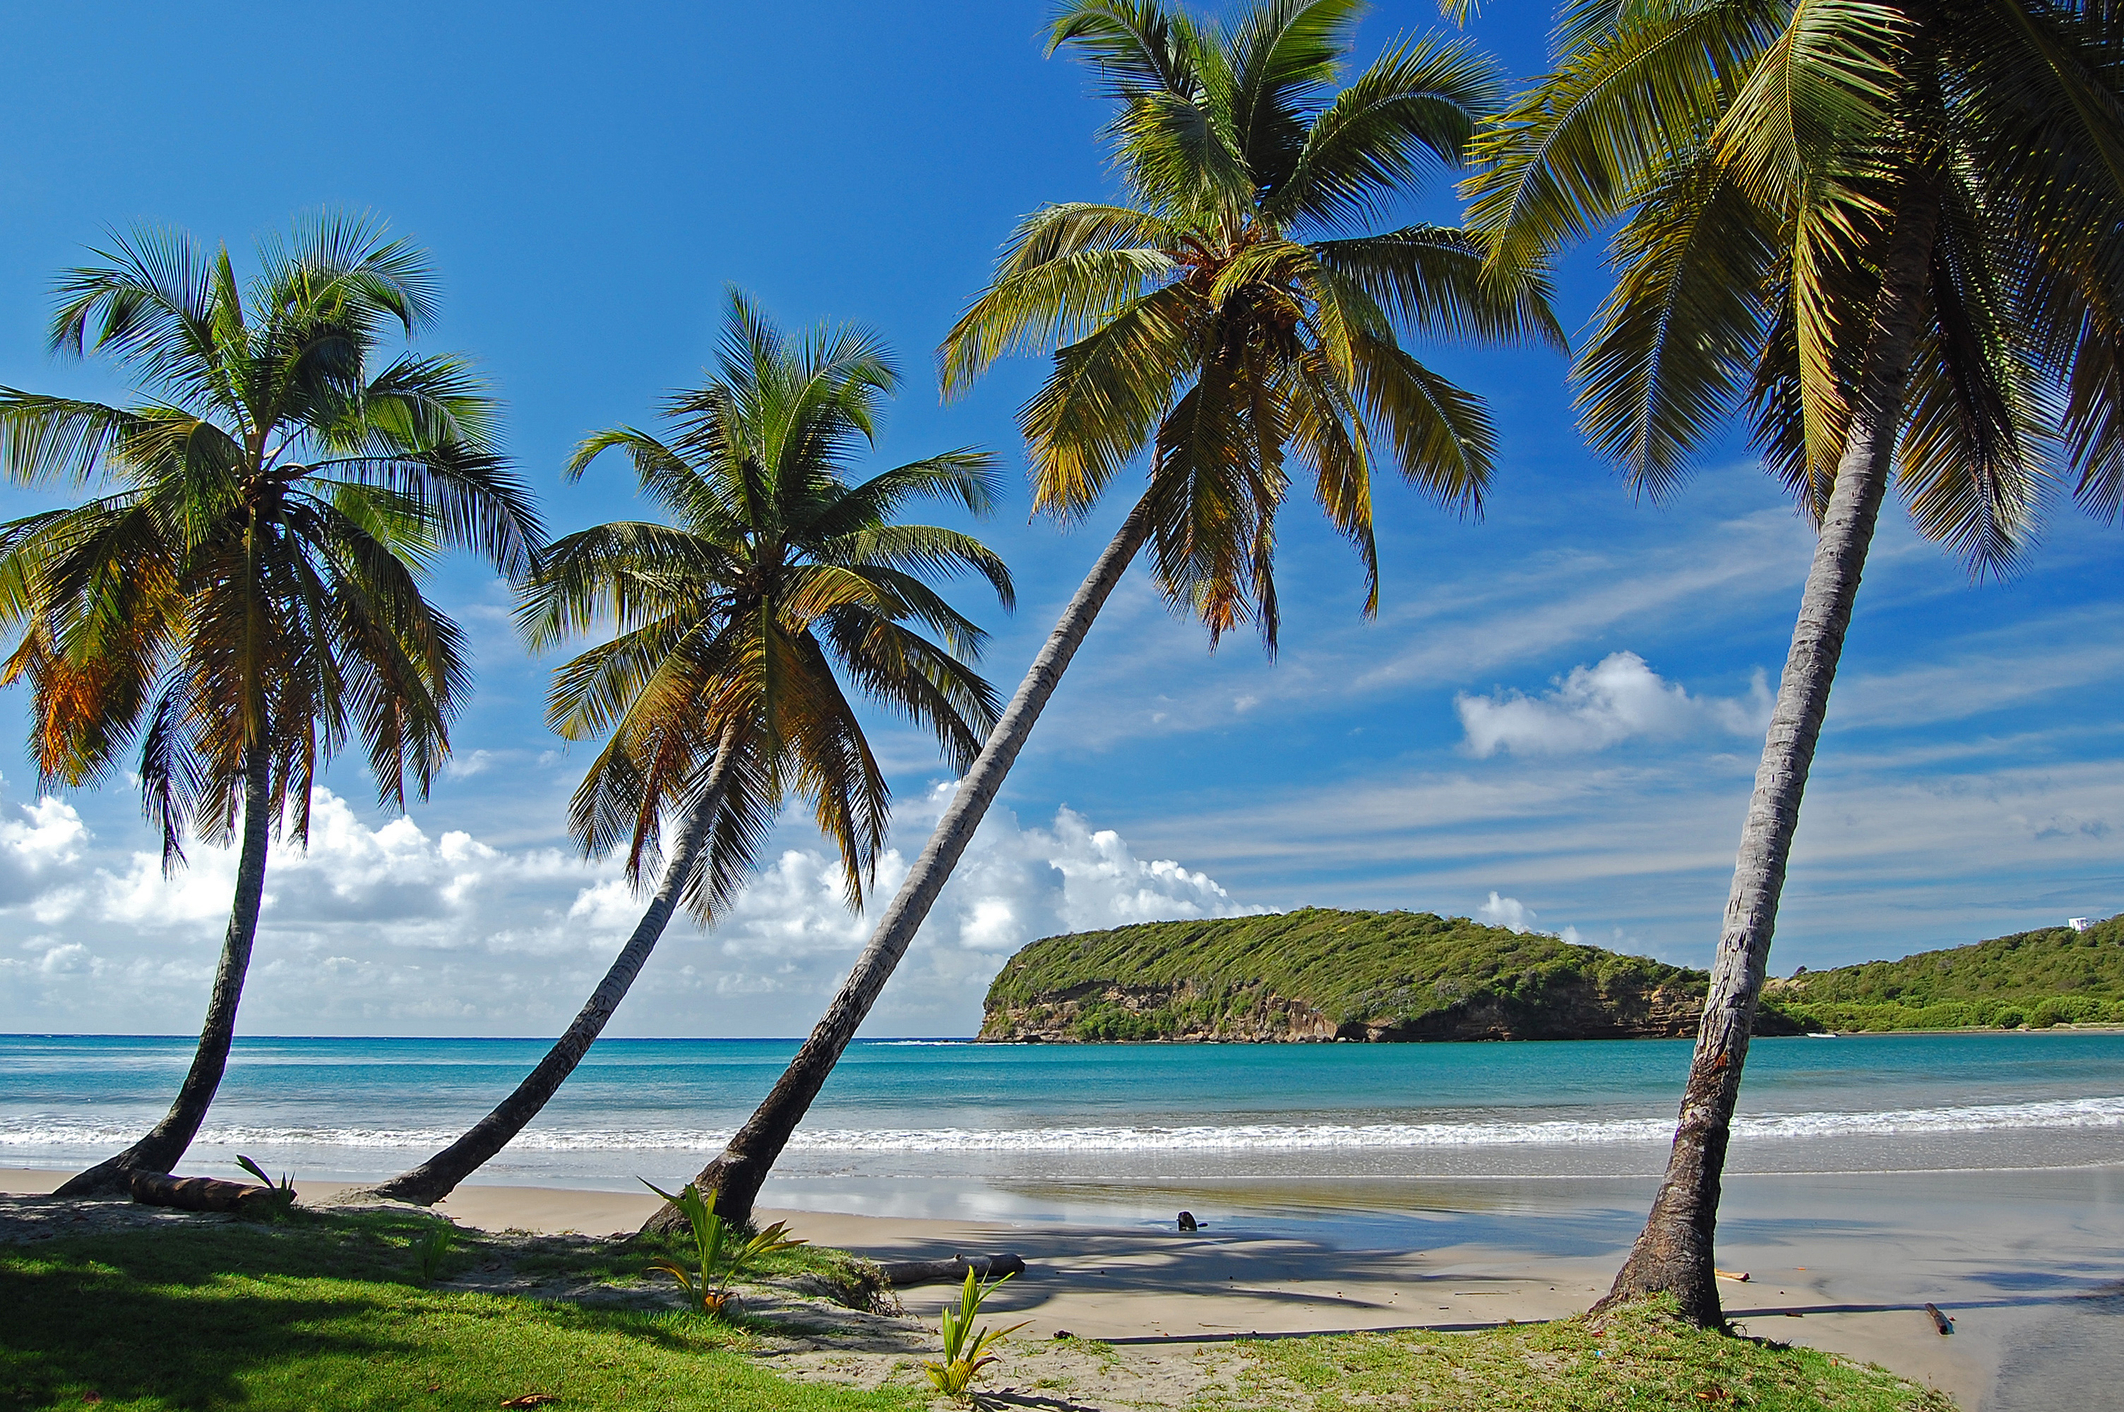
(925, 1272)
(1940, 1321)
(200, 1193)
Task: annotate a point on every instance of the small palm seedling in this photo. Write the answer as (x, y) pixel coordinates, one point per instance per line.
(283, 1190)
(723, 1252)
(965, 1349)
(433, 1248)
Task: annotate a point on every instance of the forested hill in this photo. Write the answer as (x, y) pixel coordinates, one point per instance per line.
(2038, 979)
(1317, 974)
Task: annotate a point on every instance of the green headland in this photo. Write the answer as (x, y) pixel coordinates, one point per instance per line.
(1318, 975)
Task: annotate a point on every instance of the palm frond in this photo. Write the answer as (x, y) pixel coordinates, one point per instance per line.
(1420, 98)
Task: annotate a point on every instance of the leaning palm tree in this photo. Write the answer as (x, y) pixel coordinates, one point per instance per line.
(1236, 317)
(717, 690)
(246, 596)
(1887, 232)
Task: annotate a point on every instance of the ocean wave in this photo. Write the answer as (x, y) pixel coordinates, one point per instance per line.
(60, 1131)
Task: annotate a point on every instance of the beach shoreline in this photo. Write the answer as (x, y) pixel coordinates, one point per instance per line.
(1842, 1263)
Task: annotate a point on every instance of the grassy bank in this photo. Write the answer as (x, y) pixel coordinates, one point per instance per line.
(1634, 1359)
(333, 1311)
(328, 1312)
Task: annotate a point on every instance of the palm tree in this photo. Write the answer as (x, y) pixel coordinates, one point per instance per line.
(718, 690)
(1235, 316)
(246, 596)
(1886, 231)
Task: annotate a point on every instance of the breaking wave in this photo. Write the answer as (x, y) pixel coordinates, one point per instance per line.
(59, 1131)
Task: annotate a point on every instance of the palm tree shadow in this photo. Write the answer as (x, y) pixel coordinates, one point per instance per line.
(994, 1401)
(107, 1331)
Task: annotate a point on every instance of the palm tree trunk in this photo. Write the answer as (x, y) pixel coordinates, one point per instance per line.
(736, 1175)
(1673, 1253)
(166, 1142)
(437, 1177)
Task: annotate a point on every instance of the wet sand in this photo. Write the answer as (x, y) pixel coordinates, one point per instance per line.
(2029, 1264)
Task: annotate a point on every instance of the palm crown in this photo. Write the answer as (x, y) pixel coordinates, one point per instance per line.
(247, 595)
(730, 620)
(1764, 153)
(1235, 314)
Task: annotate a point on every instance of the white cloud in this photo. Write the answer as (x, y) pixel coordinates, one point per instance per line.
(464, 767)
(1507, 912)
(47, 835)
(1598, 706)
(1515, 916)
(69, 958)
(380, 926)
(792, 931)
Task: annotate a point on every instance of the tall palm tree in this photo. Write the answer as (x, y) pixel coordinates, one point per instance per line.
(246, 595)
(1886, 233)
(717, 689)
(1235, 315)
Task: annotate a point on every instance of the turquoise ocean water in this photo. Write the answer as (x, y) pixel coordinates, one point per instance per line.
(914, 1127)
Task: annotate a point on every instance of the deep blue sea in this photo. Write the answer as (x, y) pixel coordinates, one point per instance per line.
(901, 1114)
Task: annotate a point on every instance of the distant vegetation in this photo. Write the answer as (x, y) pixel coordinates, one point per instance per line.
(1319, 974)
(2038, 979)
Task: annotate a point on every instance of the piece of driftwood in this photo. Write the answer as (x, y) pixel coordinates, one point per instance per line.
(1738, 1275)
(200, 1193)
(926, 1272)
(1940, 1321)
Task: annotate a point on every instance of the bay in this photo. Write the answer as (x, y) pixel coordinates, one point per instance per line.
(914, 1127)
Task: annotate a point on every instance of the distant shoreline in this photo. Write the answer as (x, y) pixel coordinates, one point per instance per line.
(975, 1039)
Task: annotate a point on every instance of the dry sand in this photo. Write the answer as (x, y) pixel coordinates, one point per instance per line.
(1842, 1263)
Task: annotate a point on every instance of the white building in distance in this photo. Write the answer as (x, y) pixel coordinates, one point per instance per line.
(2079, 924)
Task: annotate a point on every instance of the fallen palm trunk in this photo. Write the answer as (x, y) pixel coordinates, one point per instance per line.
(200, 1193)
(952, 1271)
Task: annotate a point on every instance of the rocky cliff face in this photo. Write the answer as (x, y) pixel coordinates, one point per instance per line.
(1182, 1013)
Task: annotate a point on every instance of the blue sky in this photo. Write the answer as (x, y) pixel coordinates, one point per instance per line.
(1560, 703)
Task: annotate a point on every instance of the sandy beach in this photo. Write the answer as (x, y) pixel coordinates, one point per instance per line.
(2027, 1263)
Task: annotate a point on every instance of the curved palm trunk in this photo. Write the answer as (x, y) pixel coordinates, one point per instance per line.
(736, 1175)
(1673, 1253)
(437, 1177)
(166, 1142)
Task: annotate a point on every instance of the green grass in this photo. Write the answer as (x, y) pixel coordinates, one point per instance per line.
(1412, 974)
(1639, 1359)
(327, 1312)
(2038, 979)
(837, 1274)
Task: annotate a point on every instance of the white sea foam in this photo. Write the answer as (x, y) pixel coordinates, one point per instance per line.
(58, 1131)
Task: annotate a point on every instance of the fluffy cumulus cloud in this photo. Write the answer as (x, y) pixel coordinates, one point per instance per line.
(1515, 916)
(790, 938)
(385, 927)
(1594, 707)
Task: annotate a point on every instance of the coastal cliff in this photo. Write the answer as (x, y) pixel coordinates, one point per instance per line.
(1318, 975)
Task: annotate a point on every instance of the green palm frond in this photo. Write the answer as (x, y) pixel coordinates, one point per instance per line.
(1576, 151)
(1108, 392)
(1419, 99)
(1673, 343)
